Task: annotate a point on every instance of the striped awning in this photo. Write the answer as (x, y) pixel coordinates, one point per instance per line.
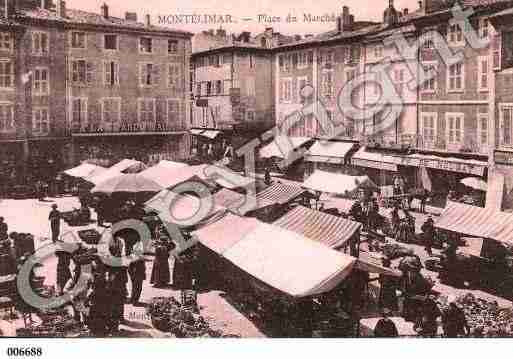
(477, 222)
(278, 193)
(335, 232)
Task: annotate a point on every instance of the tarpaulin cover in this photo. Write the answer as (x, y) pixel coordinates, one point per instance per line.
(279, 149)
(276, 256)
(333, 152)
(477, 222)
(333, 231)
(85, 170)
(337, 183)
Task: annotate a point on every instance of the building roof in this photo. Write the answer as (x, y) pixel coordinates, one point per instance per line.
(80, 17)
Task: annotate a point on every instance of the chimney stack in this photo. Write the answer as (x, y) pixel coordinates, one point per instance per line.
(345, 20)
(105, 11)
(131, 16)
(147, 20)
(61, 8)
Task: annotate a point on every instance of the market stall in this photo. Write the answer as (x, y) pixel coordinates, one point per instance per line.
(338, 184)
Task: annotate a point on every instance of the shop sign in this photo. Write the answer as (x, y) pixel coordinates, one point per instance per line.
(440, 164)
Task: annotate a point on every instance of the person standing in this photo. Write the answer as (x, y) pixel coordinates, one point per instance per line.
(55, 223)
(160, 274)
(116, 291)
(430, 314)
(428, 230)
(63, 270)
(388, 289)
(99, 311)
(386, 328)
(4, 229)
(454, 321)
(137, 273)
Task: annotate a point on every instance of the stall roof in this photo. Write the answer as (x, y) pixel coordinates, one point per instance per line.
(228, 199)
(278, 193)
(333, 231)
(277, 256)
(363, 158)
(331, 152)
(85, 170)
(277, 147)
(126, 164)
(210, 134)
(171, 177)
(344, 205)
(196, 131)
(161, 170)
(184, 210)
(336, 183)
(477, 222)
(115, 171)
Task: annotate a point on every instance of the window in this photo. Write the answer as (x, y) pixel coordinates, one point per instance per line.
(328, 59)
(378, 51)
(41, 83)
(40, 43)
(482, 131)
(172, 46)
(429, 129)
(251, 61)
(287, 63)
(149, 74)
(430, 84)
(111, 73)
(78, 40)
(301, 83)
(427, 41)
(6, 74)
(6, 41)
(454, 128)
(173, 111)
(250, 115)
(198, 89)
(173, 80)
(110, 42)
(79, 112)
(219, 87)
(327, 84)
(209, 88)
(146, 45)
(81, 72)
(214, 60)
(250, 86)
(40, 120)
(484, 70)
(111, 110)
(7, 117)
(484, 28)
(455, 35)
(456, 77)
(506, 124)
(286, 90)
(146, 110)
(302, 62)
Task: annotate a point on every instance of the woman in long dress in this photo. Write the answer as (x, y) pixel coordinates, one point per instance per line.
(160, 274)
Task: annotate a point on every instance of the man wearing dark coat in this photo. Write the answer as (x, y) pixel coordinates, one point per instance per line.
(428, 230)
(55, 223)
(385, 328)
(137, 273)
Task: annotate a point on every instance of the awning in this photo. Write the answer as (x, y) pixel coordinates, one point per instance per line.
(477, 222)
(344, 205)
(334, 232)
(470, 167)
(278, 193)
(329, 152)
(196, 132)
(337, 183)
(495, 190)
(211, 134)
(281, 145)
(85, 170)
(164, 168)
(375, 160)
(276, 256)
(171, 177)
(228, 199)
(127, 165)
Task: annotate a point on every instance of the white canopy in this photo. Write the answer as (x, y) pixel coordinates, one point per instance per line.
(85, 170)
(162, 169)
(279, 146)
(115, 171)
(277, 256)
(336, 183)
(170, 177)
(331, 152)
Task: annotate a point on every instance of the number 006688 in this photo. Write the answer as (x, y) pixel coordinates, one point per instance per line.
(24, 352)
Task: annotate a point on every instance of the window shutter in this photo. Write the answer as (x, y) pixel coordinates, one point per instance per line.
(156, 74)
(310, 57)
(90, 72)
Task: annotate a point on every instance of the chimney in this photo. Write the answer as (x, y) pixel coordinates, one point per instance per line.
(131, 16)
(345, 20)
(105, 10)
(147, 20)
(406, 11)
(61, 8)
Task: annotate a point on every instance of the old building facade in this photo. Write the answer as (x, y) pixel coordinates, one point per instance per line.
(79, 85)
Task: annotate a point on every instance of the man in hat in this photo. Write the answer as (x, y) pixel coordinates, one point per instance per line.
(385, 328)
(55, 223)
(454, 321)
